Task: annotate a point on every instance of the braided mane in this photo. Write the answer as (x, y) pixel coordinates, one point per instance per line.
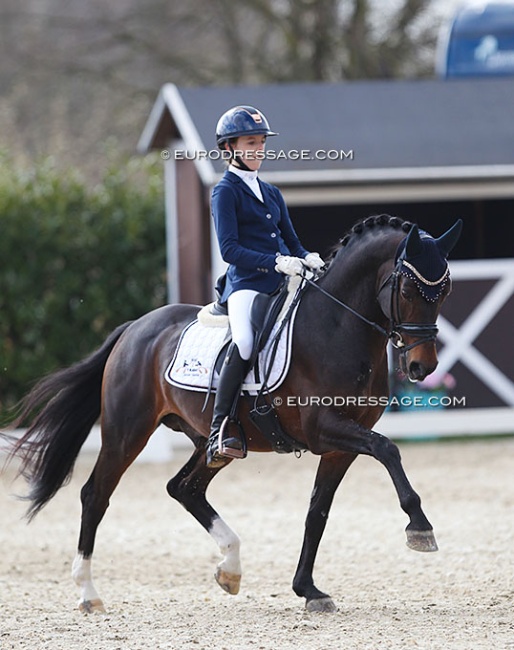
(363, 226)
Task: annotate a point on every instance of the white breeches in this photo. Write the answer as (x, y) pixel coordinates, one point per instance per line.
(239, 307)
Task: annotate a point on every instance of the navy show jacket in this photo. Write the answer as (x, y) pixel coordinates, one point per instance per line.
(251, 233)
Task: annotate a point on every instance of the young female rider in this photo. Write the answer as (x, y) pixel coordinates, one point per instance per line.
(258, 241)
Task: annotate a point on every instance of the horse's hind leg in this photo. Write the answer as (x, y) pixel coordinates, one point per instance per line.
(188, 487)
(112, 462)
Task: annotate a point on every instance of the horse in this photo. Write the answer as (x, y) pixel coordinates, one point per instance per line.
(370, 293)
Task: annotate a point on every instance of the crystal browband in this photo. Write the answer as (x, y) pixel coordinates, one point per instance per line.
(424, 280)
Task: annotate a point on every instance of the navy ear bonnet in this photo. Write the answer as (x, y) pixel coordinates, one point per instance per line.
(423, 259)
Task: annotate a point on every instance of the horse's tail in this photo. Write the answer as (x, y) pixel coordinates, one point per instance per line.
(70, 403)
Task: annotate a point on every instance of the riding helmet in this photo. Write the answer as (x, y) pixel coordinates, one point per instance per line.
(242, 120)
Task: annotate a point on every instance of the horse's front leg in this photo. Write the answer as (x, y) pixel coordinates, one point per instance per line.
(339, 434)
(331, 470)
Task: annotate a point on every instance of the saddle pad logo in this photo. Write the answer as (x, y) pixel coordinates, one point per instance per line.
(192, 368)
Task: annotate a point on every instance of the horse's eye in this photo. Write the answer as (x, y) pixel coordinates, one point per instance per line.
(407, 294)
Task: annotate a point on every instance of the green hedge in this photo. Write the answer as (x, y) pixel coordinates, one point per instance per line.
(75, 262)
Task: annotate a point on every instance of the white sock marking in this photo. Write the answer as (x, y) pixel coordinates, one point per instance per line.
(81, 574)
(229, 544)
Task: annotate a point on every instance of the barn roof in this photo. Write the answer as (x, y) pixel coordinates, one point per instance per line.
(388, 131)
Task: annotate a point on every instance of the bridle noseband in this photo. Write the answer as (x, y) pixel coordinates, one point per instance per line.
(424, 332)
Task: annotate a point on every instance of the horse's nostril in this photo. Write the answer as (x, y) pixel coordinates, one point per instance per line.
(417, 370)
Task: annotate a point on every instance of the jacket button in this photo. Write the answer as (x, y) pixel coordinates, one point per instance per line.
(273, 234)
(268, 216)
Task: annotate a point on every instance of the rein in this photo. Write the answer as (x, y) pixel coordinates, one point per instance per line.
(376, 326)
(424, 332)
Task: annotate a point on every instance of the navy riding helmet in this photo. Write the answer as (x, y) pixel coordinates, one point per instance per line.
(241, 120)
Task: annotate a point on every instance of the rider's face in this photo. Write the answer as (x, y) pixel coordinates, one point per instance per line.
(250, 148)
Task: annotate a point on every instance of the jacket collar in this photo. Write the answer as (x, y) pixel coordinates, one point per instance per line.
(234, 178)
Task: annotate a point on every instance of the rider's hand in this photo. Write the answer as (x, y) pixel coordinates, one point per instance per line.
(289, 265)
(314, 261)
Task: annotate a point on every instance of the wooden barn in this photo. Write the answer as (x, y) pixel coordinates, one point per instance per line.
(430, 151)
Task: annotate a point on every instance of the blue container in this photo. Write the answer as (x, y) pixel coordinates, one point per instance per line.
(477, 42)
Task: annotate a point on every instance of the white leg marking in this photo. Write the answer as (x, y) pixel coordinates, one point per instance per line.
(229, 544)
(81, 574)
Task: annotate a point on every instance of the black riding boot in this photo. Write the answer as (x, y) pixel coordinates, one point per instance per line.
(232, 375)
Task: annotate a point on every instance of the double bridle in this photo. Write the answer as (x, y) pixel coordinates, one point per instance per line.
(423, 332)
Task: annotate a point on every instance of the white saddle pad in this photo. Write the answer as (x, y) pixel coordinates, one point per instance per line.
(192, 366)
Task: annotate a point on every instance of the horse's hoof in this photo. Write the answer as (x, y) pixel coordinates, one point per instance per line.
(321, 605)
(421, 540)
(229, 582)
(92, 606)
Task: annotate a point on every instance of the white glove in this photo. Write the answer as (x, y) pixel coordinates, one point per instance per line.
(289, 265)
(314, 261)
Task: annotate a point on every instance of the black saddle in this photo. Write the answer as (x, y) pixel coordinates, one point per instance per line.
(265, 311)
(220, 308)
(264, 314)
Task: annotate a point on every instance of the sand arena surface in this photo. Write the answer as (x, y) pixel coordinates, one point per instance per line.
(153, 563)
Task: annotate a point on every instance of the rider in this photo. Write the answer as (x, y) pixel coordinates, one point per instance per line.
(258, 241)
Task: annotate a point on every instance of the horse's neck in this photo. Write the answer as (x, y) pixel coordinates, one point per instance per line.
(356, 275)
(328, 333)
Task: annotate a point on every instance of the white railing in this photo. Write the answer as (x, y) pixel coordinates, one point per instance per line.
(459, 342)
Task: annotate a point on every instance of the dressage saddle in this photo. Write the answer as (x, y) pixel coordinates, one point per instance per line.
(263, 316)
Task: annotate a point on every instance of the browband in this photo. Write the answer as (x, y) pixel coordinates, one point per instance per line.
(429, 283)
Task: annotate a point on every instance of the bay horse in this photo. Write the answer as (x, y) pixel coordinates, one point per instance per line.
(374, 289)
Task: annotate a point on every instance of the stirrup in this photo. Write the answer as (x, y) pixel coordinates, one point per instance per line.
(231, 446)
(220, 448)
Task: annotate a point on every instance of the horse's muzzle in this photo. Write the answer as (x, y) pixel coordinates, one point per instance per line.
(417, 371)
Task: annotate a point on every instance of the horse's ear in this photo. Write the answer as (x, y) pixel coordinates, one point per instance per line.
(413, 243)
(447, 241)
